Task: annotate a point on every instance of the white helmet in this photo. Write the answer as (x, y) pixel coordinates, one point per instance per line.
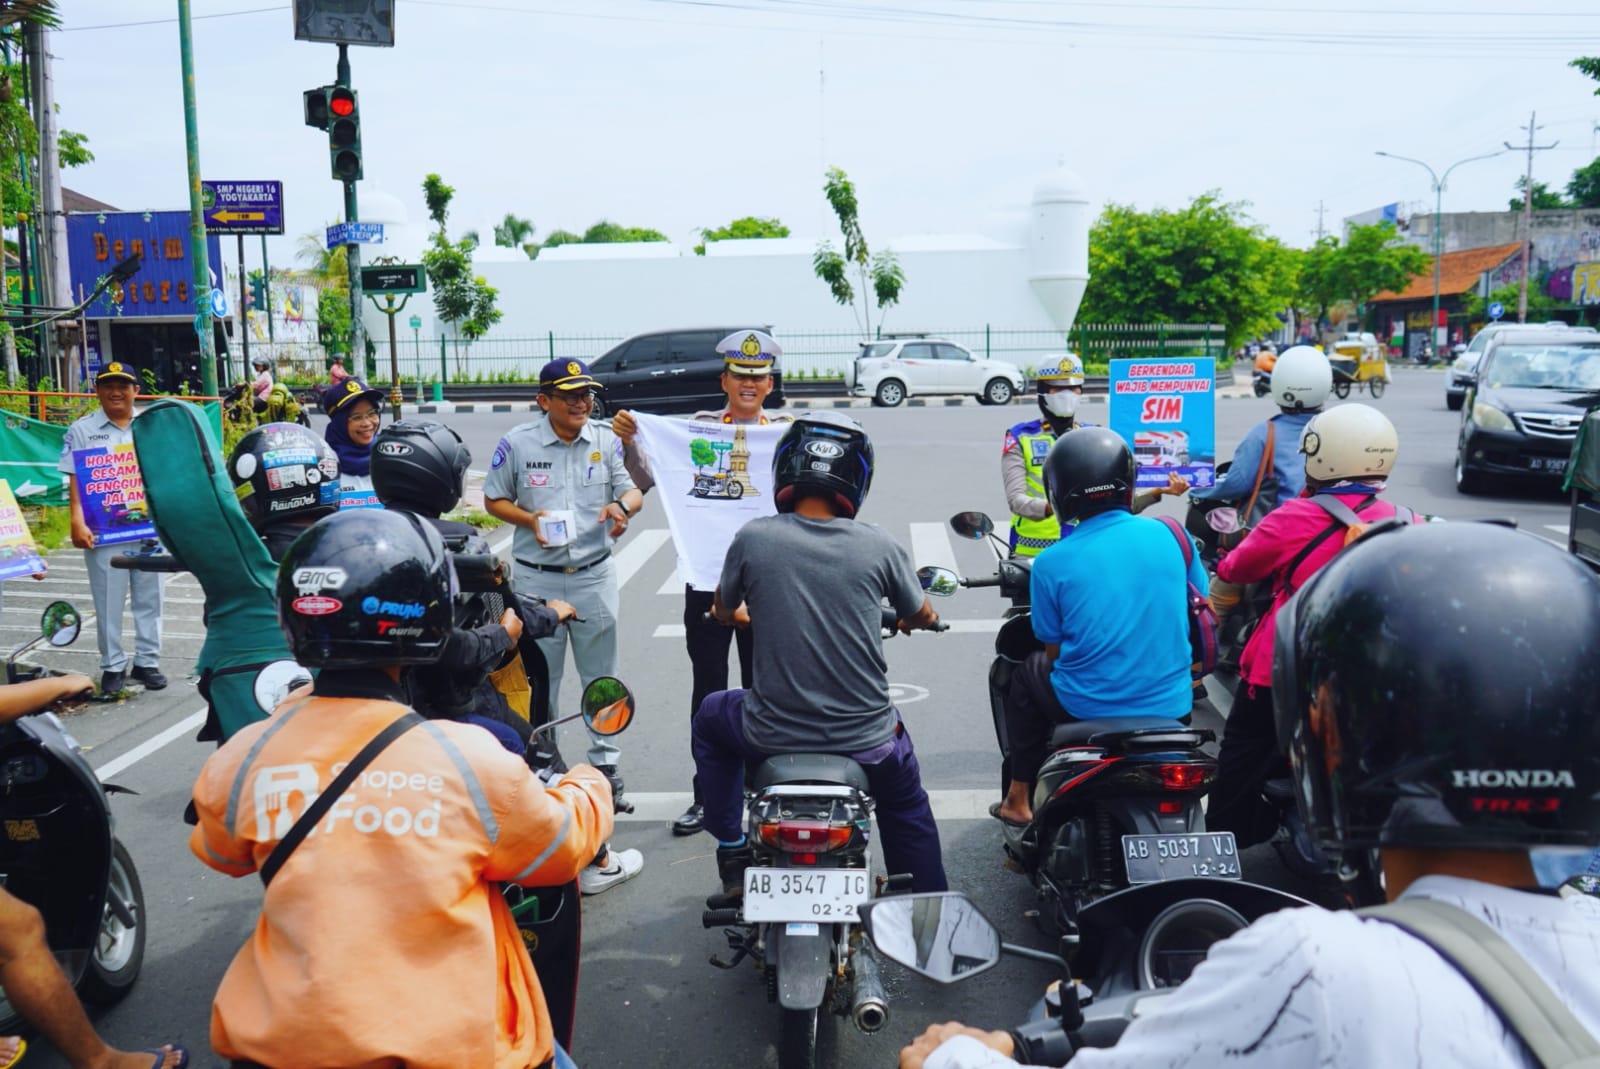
(1349, 442)
(1301, 379)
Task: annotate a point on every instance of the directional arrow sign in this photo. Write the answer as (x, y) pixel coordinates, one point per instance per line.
(355, 234)
(28, 488)
(393, 278)
(242, 207)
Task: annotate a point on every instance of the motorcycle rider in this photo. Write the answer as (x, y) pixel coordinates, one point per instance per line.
(1405, 752)
(407, 858)
(1124, 651)
(815, 577)
(1349, 452)
(1034, 527)
(262, 385)
(286, 478)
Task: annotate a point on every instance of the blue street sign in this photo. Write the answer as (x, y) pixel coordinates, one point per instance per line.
(242, 207)
(1496, 310)
(219, 304)
(355, 234)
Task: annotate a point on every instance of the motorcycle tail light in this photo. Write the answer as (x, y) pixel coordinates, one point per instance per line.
(1169, 809)
(1186, 777)
(804, 836)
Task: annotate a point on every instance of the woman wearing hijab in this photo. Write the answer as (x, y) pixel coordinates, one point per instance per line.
(354, 412)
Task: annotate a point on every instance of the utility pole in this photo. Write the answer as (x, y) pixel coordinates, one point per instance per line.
(197, 216)
(51, 220)
(1527, 211)
(1319, 231)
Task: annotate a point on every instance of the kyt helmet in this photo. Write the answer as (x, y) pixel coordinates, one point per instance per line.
(366, 587)
(826, 453)
(419, 465)
(1301, 379)
(1089, 470)
(1349, 442)
(1482, 729)
(283, 471)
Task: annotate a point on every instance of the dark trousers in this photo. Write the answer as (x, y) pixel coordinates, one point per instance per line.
(708, 643)
(1248, 757)
(910, 836)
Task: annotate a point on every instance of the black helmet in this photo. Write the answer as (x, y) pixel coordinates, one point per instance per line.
(1089, 470)
(283, 471)
(418, 465)
(260, 361)
(366, 587)
(826, 452)
(1437, 686)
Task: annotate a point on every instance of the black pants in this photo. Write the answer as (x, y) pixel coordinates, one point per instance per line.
(708, 643)
(1248, 757)
(1032, 713)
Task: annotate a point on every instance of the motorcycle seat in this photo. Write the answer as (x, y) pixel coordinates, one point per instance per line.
(1279, 791)
(809, 768)
(1101, 730)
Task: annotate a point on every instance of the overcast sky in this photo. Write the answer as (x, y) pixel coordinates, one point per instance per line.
(680, 114)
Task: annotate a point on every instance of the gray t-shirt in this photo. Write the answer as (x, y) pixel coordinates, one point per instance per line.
(815, 590)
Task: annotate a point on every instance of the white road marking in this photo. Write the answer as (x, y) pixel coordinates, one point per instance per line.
(631, 557)
(1559, 528)
(674, 583)
(183, 727)
(947, 805)
(930, 547)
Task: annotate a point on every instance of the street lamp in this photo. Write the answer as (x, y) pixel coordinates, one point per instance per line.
(1438, 204)
(415, 323)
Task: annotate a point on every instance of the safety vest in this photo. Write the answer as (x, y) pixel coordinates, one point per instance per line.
(1029, 538)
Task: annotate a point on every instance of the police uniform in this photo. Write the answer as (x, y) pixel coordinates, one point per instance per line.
(108, 586)
(1028, 443)
(538, 471)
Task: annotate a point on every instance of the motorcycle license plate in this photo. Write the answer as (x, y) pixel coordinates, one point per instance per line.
(1153, 858)
(804, 894)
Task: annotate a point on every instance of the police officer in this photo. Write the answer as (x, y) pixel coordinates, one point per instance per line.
(115, 388)
(749, 359)
(560, 481)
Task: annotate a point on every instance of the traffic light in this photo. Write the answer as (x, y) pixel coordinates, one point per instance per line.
(344, 133)
(258, 292)
(316, 105)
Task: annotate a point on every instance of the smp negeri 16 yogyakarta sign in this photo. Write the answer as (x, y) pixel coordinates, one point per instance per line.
(242, 207)
(164, 286)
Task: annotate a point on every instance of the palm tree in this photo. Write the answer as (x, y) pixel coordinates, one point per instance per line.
(514, 232)
(41, 12)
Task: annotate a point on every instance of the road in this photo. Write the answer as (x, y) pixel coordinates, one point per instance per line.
(648, 997)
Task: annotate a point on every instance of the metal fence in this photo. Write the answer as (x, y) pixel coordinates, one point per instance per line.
(806, 354)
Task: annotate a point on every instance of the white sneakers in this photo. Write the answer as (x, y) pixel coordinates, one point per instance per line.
(620, 866)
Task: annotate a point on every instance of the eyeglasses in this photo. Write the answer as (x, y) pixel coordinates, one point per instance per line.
(572, 400)
(365, 417)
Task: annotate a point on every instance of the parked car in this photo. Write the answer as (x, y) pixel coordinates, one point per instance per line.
(1583, 484)
(670, 371)
(1524, 403)
(895, 368)
(1466, 361)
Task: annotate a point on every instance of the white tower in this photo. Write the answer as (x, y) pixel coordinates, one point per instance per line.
(1058, 245)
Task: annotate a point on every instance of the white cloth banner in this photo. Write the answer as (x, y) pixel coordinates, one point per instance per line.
(711, 479)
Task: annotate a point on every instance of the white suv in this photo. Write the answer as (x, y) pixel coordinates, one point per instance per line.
(891, 370)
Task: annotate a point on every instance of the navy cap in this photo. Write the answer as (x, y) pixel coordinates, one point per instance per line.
(117, 372)
(567, 375)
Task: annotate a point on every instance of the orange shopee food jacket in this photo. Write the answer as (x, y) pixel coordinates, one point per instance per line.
(382, 940)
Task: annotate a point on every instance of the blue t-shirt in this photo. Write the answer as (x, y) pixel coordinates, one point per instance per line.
(1114, 596)
(1288, 467)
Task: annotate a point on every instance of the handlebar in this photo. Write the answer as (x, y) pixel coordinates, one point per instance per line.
(479, 573)
(158, 562)
(993, 580)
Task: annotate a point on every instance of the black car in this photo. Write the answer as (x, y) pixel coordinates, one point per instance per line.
(1524, 403)
(671, 371)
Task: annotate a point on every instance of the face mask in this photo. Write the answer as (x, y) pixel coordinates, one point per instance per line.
(1063, 403)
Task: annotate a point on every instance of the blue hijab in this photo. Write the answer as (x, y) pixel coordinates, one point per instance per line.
(337, 401)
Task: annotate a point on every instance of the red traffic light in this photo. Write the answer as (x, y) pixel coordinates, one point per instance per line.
(342, 102)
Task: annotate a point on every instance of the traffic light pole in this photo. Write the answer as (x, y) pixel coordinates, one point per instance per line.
(244, 313)
(358, 349)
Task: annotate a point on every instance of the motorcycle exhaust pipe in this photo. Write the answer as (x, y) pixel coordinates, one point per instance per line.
(871, 1010)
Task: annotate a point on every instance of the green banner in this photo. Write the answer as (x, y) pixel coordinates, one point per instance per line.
(31, 450)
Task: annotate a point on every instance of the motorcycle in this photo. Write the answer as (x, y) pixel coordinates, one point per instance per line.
(60, 853)
(1137, 945)
(1117, 802)
(808, 820)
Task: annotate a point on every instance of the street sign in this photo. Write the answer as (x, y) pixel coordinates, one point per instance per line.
(344, 22)
(393, 278)
(1496, 310)
(219, 304)
(242, 207)
(416, 323)
(355, 234)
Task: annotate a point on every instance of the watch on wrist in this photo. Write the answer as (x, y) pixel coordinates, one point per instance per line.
(626, 512)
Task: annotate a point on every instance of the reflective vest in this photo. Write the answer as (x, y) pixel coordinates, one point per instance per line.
(1029, 538)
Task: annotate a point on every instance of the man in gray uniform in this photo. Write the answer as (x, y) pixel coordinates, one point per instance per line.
(112, 425)
(560, 482)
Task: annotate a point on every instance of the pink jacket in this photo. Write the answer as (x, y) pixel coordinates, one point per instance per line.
(1270, 547)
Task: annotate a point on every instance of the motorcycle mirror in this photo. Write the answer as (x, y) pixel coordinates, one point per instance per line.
(607, 705)
(940, 582)
(973, 525)
(942, 936)
(60, 623)
(1224, 520)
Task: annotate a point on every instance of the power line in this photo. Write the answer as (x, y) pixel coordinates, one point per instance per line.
(166, 22)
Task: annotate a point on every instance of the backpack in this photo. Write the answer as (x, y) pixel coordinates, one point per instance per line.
(1345, 519)
(1202, 619)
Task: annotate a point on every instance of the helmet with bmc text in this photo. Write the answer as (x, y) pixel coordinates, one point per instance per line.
(1351, 441)
(1301, 379)
(283, 471)
(1089, 470)
(1481, 730)
(419, 465)
(367, 587)
(823, 453)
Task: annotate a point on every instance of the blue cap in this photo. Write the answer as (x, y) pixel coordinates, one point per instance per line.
(566, 375)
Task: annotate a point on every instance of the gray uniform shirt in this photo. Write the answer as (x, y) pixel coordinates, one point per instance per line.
(93, 431)
(535, 468)
(814, 589)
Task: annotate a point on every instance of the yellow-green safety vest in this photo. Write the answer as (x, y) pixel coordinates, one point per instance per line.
(1029, 538)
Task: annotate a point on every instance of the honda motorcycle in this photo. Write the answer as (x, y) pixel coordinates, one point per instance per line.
(60, 853)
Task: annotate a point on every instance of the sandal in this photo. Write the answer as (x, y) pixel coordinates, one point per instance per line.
(994, 811)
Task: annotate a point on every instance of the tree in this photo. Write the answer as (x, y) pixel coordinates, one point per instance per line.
(882, 271)
(1589, 65)
(1207, 263)
(562, 237)
(701, 454)
(1584, 189)
(1369, 262)
(1541, 306)
(1544, 198)
(330, 271)
(743, 228)
(464, 300)
(606, 233)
